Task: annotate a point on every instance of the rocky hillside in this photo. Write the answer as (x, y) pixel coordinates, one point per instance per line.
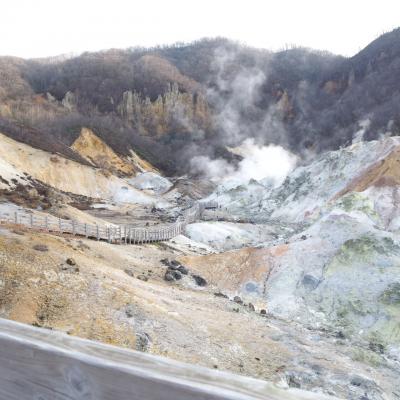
(202, 96)
(295, 282)
(24, 168)
(335, 255)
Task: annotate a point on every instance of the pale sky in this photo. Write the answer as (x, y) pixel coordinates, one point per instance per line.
(39, 28)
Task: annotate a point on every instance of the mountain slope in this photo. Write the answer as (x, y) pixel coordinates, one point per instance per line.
(202, 96)
(20, 162)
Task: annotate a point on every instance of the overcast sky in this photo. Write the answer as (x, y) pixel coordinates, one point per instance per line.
(38, 28)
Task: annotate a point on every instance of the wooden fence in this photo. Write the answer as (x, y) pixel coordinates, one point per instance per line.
(110, 233)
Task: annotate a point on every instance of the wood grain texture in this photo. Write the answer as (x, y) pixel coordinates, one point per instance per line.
(38, 364)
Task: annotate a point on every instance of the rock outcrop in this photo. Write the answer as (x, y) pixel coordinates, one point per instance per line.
(18, 160)
(337, 264)
(171, 111)
(99, 154)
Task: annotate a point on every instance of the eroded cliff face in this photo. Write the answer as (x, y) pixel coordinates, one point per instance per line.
(172, 112)
(99, 154)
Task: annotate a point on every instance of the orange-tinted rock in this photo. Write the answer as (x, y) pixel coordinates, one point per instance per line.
(232, 270)
(385, 172)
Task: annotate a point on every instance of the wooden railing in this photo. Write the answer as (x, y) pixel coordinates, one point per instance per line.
(110, 233)
(41, 364)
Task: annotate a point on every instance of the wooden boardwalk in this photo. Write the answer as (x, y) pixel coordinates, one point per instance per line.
(111, 233)
(38, 364)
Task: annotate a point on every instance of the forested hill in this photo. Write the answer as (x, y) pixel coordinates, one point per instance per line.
(199, 97)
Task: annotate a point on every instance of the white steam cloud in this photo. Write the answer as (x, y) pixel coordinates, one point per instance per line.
(246, 125)
(270, 163)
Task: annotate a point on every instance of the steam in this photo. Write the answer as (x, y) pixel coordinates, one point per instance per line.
(234, 93)
(263, 162)
(270, 163)
(244, 125)
(216, 170)
(364, 126)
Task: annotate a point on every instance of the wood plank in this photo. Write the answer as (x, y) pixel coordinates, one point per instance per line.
(39, 364)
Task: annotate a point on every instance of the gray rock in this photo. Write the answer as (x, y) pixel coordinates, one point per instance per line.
(366, 385)
(173, 264)
(151, 181)
(143, 342)
(238, 300)
(252, 287)
(129, 272)
(129, 311)
(310, 282)
(70, 268)
(200, 281)
(165, 261)
(70, 261)
(219, 294)
(50, 98)
(69, 101)
(183, 270)
(40, 247)
(172, 275)
(293, 381)
(169, 277)
(391, 294)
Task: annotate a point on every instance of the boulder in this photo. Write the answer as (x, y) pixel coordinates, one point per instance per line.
(172, 275)
(199, 280)
(129, 271)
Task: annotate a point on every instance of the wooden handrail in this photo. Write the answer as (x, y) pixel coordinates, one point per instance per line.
(38, 364)
(112, 233)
